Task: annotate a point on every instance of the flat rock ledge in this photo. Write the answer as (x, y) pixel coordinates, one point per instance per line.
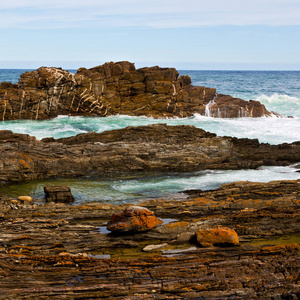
(55, 250)
(116, 88)
(134, 151)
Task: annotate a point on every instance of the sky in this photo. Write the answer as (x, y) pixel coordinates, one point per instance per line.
(185, 34)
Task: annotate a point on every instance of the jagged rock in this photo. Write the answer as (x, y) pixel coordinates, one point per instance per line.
(133, 219)
(217, 236)
(116, 88)
(58, 194)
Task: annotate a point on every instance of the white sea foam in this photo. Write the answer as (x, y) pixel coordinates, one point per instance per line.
(281, 103)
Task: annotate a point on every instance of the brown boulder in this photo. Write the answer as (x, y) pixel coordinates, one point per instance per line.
(133, 219)
(217, 236)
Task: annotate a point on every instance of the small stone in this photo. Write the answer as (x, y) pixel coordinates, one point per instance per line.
(14, 201)
(217, 236)
(154, 247)
(25, 198)
(64, 254)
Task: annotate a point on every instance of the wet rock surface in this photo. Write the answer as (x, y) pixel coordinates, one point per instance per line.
(54, 250)
(134, 151)
(116, 88)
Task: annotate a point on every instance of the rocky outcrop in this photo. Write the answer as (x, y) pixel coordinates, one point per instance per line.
(133, 219)
(116, 88)
(134, 150)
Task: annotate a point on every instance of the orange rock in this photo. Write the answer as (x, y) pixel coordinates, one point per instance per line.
(133, 218)
(222, 235)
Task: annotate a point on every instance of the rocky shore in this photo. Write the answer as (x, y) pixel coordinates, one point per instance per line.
(116, 88)
(240, 241)
(60, 251)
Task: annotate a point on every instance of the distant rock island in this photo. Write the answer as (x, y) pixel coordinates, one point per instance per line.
(116, 88)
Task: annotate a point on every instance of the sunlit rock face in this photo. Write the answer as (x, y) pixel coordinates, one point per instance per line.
(116, 88)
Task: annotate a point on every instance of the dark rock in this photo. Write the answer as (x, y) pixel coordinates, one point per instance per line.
(58, 194)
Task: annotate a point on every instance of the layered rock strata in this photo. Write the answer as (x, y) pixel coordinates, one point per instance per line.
(56, 251)
(134, 151)
(116, 88)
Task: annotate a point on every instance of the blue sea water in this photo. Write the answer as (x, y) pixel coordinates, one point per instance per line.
(279, 91)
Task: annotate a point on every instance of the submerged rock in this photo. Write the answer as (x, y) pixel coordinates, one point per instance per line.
(133, 219)
(116, 88)
(217, 236)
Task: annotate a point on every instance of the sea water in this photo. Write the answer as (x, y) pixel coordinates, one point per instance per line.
(279, 91)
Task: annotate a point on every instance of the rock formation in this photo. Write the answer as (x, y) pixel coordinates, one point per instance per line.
(134, 150)
(116, 88)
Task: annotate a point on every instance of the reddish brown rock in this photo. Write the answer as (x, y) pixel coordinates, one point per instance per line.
(217, 236)
(133, 219)
(115, 88)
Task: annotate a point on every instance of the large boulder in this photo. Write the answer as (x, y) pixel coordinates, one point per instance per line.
(217, 236)
(133, 219)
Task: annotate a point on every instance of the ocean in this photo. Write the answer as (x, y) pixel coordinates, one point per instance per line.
(279, 91)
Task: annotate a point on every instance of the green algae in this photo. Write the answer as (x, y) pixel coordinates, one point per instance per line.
(137, 252)
(279, 240)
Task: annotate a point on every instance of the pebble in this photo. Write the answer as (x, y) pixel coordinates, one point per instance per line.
(154, 247)
(24, 198)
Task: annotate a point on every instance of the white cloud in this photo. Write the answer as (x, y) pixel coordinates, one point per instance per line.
(148, 13)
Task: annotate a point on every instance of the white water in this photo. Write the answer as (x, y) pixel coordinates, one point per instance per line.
(267, 130)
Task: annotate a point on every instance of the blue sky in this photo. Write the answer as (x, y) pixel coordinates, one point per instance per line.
(186, 34)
